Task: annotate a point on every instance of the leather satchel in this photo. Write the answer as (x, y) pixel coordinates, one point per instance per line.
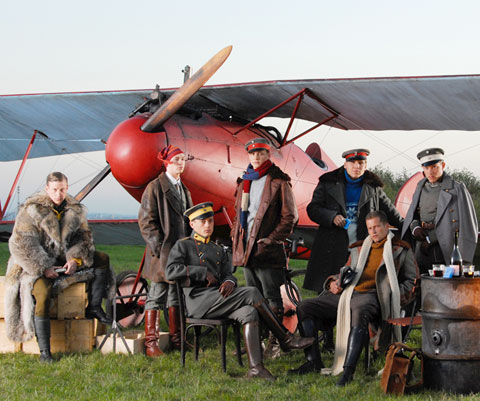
(397, 373)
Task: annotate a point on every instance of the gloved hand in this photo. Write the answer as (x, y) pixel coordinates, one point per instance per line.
(419, 234)
(226, 288)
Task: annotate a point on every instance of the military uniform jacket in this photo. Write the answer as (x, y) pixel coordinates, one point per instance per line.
(188, 261)
(161, 223)
(455, 211)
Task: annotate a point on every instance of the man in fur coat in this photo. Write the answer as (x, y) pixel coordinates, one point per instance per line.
(384, 275)
(51, 247)
(265, 216)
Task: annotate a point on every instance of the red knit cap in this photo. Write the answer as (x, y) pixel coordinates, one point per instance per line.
(169, 152)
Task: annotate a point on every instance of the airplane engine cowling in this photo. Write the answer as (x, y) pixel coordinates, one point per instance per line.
(132, 154)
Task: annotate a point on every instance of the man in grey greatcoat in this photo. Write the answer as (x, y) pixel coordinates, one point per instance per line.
(440, 206)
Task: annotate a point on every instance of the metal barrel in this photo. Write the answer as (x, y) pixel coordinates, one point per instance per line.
(451, 333)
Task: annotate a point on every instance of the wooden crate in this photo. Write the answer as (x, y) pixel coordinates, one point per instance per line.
(67, 336)
(135, 340)
(2, 296)
(5, 344)
(70, 303)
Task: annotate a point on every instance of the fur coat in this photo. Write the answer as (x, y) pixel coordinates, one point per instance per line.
(37, 240)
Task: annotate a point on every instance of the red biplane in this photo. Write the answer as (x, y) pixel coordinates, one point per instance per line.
(212, 124)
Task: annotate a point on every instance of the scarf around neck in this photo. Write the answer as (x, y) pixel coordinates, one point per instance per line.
(250, 175)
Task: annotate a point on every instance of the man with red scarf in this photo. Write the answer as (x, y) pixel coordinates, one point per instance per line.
(265, 216)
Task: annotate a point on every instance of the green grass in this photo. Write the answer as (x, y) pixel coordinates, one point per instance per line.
(119, 377)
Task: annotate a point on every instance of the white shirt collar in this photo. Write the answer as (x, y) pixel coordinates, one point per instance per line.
(172, 179)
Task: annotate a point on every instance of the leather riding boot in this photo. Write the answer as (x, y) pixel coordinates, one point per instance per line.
(96, 295)
(314, 362)
(151, 343)
(174, 327)
(328, 343)
(356, 341)
(251, 335)
(273, 350)
(42, 332)
(286, 339)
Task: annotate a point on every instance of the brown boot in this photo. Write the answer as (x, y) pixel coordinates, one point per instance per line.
(286, 339)
(174, 327)
(151, 341)
(251, 335)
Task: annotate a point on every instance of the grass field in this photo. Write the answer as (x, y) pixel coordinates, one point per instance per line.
(120, 377)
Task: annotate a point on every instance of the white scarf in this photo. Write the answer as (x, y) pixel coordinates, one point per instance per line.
(344, 313)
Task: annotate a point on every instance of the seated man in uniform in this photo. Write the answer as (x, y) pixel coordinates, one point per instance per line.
(385, 272)
(211, 292)
(50, 239)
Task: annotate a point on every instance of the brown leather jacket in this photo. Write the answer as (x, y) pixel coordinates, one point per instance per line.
(274, 221)
(161, 223)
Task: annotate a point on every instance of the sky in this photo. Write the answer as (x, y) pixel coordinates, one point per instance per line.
(63, 46)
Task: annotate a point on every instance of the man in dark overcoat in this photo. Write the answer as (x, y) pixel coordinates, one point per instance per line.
(162, 223)
(339, 205)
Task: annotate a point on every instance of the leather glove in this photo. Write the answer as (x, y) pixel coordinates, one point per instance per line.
(419, 234)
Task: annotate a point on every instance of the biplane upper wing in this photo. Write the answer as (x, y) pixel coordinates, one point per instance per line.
(78, 122)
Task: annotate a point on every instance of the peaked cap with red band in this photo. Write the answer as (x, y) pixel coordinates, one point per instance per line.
(355, 154)
(257, 144)
(169, 152)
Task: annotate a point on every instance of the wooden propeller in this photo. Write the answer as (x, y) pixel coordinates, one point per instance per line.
(186, 91)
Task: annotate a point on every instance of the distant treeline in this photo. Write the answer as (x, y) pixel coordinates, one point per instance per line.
(394, 181)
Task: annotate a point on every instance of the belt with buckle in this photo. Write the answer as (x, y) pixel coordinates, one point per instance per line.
(428, 226)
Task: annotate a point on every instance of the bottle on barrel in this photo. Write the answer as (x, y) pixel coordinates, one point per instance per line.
(456, 258)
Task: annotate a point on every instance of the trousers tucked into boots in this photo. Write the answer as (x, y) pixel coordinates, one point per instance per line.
(96, 295)
(151, 343)
(314, 362)
(42, 332)
(356, 341)
(251, 334)
(286, 339)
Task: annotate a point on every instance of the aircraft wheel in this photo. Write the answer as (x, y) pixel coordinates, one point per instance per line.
(130, 313)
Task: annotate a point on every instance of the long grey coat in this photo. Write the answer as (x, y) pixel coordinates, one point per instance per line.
(161, 223)
(37, 240)
(455, 211)
(330, 249)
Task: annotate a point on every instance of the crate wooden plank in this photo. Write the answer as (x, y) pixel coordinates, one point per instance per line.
(5, 344)
(70, 303)
(2, 296)
(67, 336)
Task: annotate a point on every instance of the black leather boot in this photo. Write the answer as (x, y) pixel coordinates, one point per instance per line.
(251, 335)
(356, 341)
(314, 362)
(96, 295)
(286, 339)
(42, 332)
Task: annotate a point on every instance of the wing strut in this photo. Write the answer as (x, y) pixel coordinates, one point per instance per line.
(299, 96)
(93, 183)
